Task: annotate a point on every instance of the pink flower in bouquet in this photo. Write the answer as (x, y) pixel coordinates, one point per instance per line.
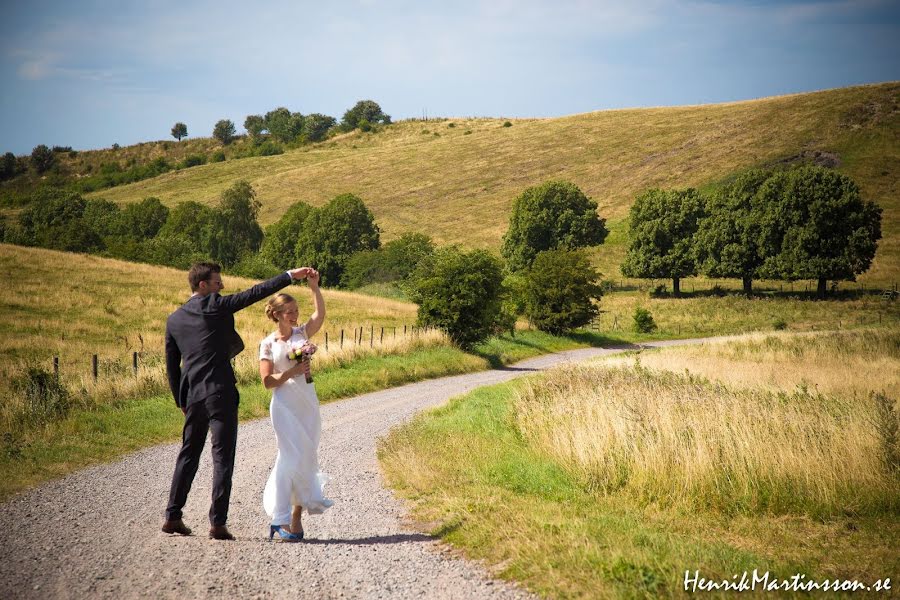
(302, 351)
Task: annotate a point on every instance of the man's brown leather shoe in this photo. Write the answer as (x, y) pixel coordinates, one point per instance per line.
(220, 532)
(176, 526)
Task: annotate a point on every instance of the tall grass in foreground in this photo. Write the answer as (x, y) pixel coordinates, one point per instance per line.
(673, 440)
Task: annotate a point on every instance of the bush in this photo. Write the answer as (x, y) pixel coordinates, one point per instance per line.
(217, 156)
(254, 266)
(507, 124)
(364, 125)
(643, 321)
(42, 158)
(459, 293)
(43, 398)
(779, 324)
(560, 289)
(224, 131)
(269, 148)
(194, 160)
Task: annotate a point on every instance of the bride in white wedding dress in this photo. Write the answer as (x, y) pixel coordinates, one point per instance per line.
(295, 483)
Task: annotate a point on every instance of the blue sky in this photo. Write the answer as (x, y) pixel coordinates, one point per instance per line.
(92, 73)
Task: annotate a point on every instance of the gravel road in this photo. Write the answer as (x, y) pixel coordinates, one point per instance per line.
(95, 533)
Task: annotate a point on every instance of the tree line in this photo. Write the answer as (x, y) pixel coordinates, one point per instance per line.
(805, 223)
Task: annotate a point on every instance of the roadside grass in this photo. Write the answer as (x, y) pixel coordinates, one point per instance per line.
(459, 187)
(597, 481)
(94, 432)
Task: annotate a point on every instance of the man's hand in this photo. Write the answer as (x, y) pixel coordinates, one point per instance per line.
(301, 273)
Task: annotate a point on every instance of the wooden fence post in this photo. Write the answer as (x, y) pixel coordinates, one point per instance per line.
(326, 341)
(134, 363)
(56, 367)
(371, 336)
(94, 366)
(381, 339)
(342, 338)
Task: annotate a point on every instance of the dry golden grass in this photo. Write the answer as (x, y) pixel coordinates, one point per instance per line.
(815, 441)
(458, 186)
(851, 364)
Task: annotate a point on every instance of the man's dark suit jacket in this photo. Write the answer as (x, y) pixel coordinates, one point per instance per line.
(201, 335)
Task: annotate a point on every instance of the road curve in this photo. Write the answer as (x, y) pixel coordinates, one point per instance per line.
(95, 533)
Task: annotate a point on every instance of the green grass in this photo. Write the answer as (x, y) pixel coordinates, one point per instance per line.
(459, 187)
(475, 482)
(106, 431)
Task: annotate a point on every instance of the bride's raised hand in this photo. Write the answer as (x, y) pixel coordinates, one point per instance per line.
(313, 278)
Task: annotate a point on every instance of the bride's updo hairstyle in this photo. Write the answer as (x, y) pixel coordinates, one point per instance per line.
(277, 304)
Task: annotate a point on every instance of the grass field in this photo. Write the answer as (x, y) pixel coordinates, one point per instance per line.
(457, 183)
(612, 480)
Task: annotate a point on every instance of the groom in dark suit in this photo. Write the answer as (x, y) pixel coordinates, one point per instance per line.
(200, 343)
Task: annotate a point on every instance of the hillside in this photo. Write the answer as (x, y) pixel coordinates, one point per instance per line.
(75, 305)
(457, 183)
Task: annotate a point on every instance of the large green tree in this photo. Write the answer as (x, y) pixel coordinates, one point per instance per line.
(727, 240)
(8, 166)
(316, 126)
(662, 226)
(553, 215)
(460, 293)
(188, 219)
(55, 219)
(333, 232)
(394, 261)
(234, 230)
(280, 240)
(283, 125)
(42, 158)
(179, 130)
(364, 110)
(255, 125)
(560, 289)
(224, 131)
(815, 225)
(142, 220)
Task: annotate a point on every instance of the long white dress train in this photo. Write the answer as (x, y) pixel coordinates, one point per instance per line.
(295, 479)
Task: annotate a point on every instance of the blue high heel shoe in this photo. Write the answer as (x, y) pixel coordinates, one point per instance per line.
(284, 534)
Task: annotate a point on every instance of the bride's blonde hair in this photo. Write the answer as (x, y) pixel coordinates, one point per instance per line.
(277, 304)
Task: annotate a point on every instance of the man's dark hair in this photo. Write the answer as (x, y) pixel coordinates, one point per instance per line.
(202, 271)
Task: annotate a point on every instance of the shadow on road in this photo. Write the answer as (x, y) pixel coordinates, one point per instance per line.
(400, 538)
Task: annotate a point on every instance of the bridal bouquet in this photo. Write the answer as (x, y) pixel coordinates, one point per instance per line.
(302, 352)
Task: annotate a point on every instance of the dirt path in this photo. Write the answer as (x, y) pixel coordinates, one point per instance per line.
(95, 533)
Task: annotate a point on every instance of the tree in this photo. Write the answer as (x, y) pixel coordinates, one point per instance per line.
(727, 240)
(459, 293)
(102, 216)
(224, 131)
(142, 220)
(553, 215)
(55, 219)
(281, 236)
(234, 230)
(394, 261)
(255, 125)
(188, 219)
(179, 130)
(8, 166)
(42, 158)
(560, 290)
(316, 126)
(662, 227)
(283, 125)
(364, 110)
(815, 225)
(333, 233)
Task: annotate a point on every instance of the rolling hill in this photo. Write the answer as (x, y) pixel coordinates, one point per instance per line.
(455, 179)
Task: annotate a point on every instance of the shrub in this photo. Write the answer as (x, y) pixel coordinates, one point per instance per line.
(364, 125)
(42, 158)
(507, 124)
(451, 125)
(779, 324)
(255, 266)
(643, 321)
(194, 160)
(560, 289)
(224, 131)
(43, 398)
(217, 156)
(459, 293)
(269, 148)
